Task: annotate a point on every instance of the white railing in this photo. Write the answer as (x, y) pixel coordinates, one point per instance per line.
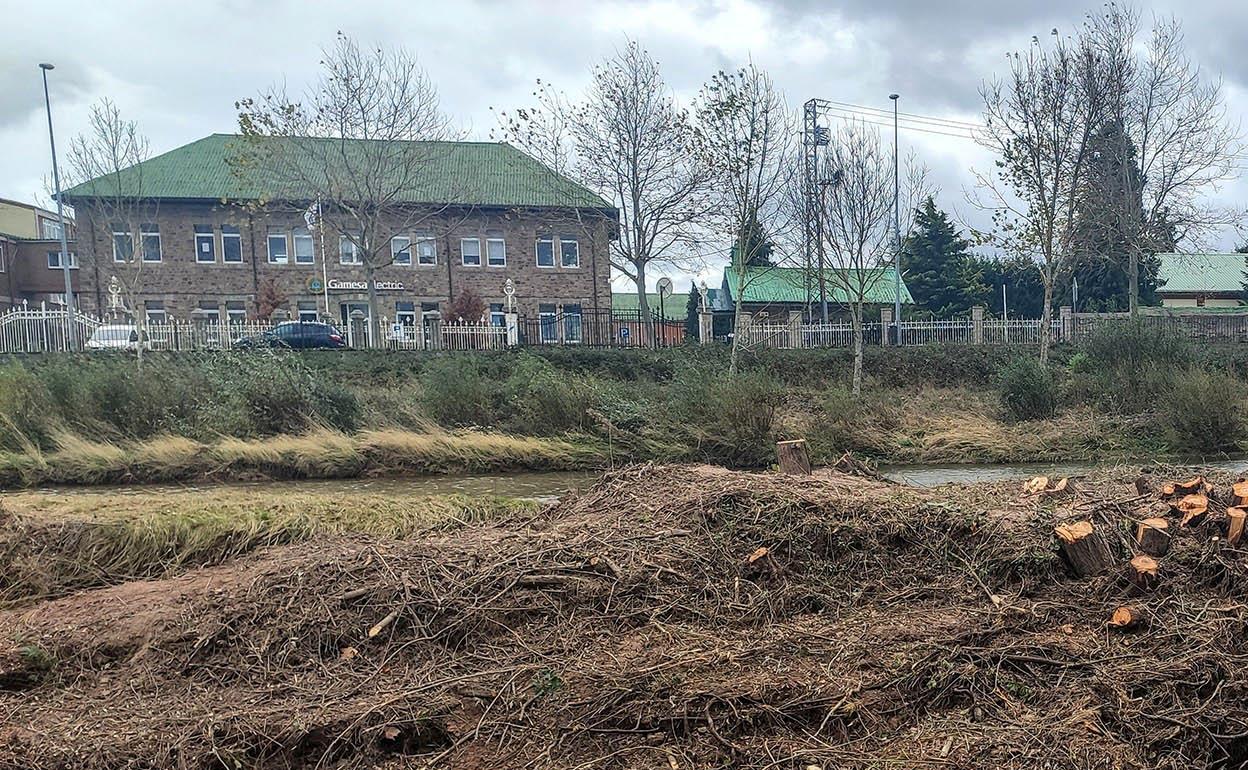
(457, 335)
(1020, 331)
(957, 330)
(26, 330)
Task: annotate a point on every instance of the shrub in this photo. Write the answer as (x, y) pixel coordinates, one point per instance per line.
(455, 391)
(728, 419)
(1131, 365)
(1201, 411)
(1027, 390)
(24, 418)
(542, 401)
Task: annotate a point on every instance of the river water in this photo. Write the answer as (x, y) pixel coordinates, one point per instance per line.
(546, 486)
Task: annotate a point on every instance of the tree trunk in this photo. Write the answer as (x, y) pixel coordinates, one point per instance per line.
(1142, 572)
(793, 457)
(645, 324)
(374, 333)
(1046, 318)
(1153, 536)
(739, 277)
(856, 317)
(1084, 548)
(1133, 283)
(1235, 520)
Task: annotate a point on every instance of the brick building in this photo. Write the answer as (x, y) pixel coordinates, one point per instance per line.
(211, 243)
(30, 255)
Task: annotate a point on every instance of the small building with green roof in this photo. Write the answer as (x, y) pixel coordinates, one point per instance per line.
(781, 291)
(1201, 280)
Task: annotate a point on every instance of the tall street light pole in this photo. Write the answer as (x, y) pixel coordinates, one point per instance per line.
(60, 208)
(896, 226)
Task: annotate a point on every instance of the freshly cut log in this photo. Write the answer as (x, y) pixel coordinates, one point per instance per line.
(1062, 486)
(1084, 548)
(1142, 572)
(1153, 536)
(1124, 617)
(793, 457)
(1167, 489)
(1239, 492)
(1235, 520)
(1193, 509)
(1191, 486)
(1036, 485)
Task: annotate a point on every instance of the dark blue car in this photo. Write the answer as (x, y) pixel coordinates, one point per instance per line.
(298, 335)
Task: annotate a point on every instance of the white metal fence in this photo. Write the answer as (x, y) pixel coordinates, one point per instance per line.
(41, 330)
(963, 331)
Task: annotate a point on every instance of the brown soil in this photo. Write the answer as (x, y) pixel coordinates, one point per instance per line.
(669, 617)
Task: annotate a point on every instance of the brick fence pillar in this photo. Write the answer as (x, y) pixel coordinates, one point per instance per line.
(886, 323)
(977, 325)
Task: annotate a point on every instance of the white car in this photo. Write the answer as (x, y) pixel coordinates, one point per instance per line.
(117, 337)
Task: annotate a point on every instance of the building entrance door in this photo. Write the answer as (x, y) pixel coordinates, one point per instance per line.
(359, 329)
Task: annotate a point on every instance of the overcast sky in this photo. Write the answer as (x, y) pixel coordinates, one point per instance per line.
(177, 68)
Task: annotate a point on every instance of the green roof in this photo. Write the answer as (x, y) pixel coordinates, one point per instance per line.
(1201, 273)
(788, 285)
(459, 173)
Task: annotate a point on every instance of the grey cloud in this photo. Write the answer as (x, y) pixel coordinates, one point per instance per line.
(21, 87)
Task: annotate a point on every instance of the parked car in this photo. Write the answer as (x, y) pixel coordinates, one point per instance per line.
(301, 335)
(117, 337)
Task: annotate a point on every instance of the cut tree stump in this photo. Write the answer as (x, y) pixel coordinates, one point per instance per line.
(1142, 572)
(1143, 486)
(1036, 485)
(1193, 508)
(1239, 492)
(794, 459)
(1191, 486)
(1084, 548)
(1124, 618)
(1235, 520)
(1153, 536)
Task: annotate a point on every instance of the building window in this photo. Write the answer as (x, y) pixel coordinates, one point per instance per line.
(278, 247)
(405, 313)
(231, 244)
(496, 252)
(236, 311)
(123, 244)
(207, 310)
(546, 251)
(49, 229)
(497, 316)
(426, 249)
(427, 308)
(307, 311)
(470, 251)
(54, 260)
(571, 323)
(304, 253)
(149, 236)
(401, 250)
(569, 252)
(2, 258)
(154, 311)
(205, 244)
(546, 320)
(348, 254)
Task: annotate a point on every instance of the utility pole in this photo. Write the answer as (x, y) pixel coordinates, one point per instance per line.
(814, 136)
(60, 210)
(896, 226)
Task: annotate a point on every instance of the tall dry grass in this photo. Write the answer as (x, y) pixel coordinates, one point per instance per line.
(59, 542)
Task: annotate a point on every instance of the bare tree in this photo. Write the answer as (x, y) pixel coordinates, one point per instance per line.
(629, 141)
(746, 146)
(857, 212)
(1038, 122)
(1165, 126)
(365, 144)
(105, 167)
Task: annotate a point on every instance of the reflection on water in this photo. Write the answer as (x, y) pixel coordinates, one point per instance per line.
(933, 475)
(542, 487)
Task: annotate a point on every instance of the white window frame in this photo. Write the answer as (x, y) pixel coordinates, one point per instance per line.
(409, 315)
(129, 236)
(554, 252)
(302, 234)
(343, 243)
(580, 322)
(234, 315)
(155, 315)
(463, 256)
(3, 259)
(405, 252)
(489, 256)
(577, 244)
(144, 235)
(300, 310)
(237, 236)
(200, 310)
(543, 324)
(497, 317)
(212, 242)
(433, 251)
(73, 260)
(284, 237)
